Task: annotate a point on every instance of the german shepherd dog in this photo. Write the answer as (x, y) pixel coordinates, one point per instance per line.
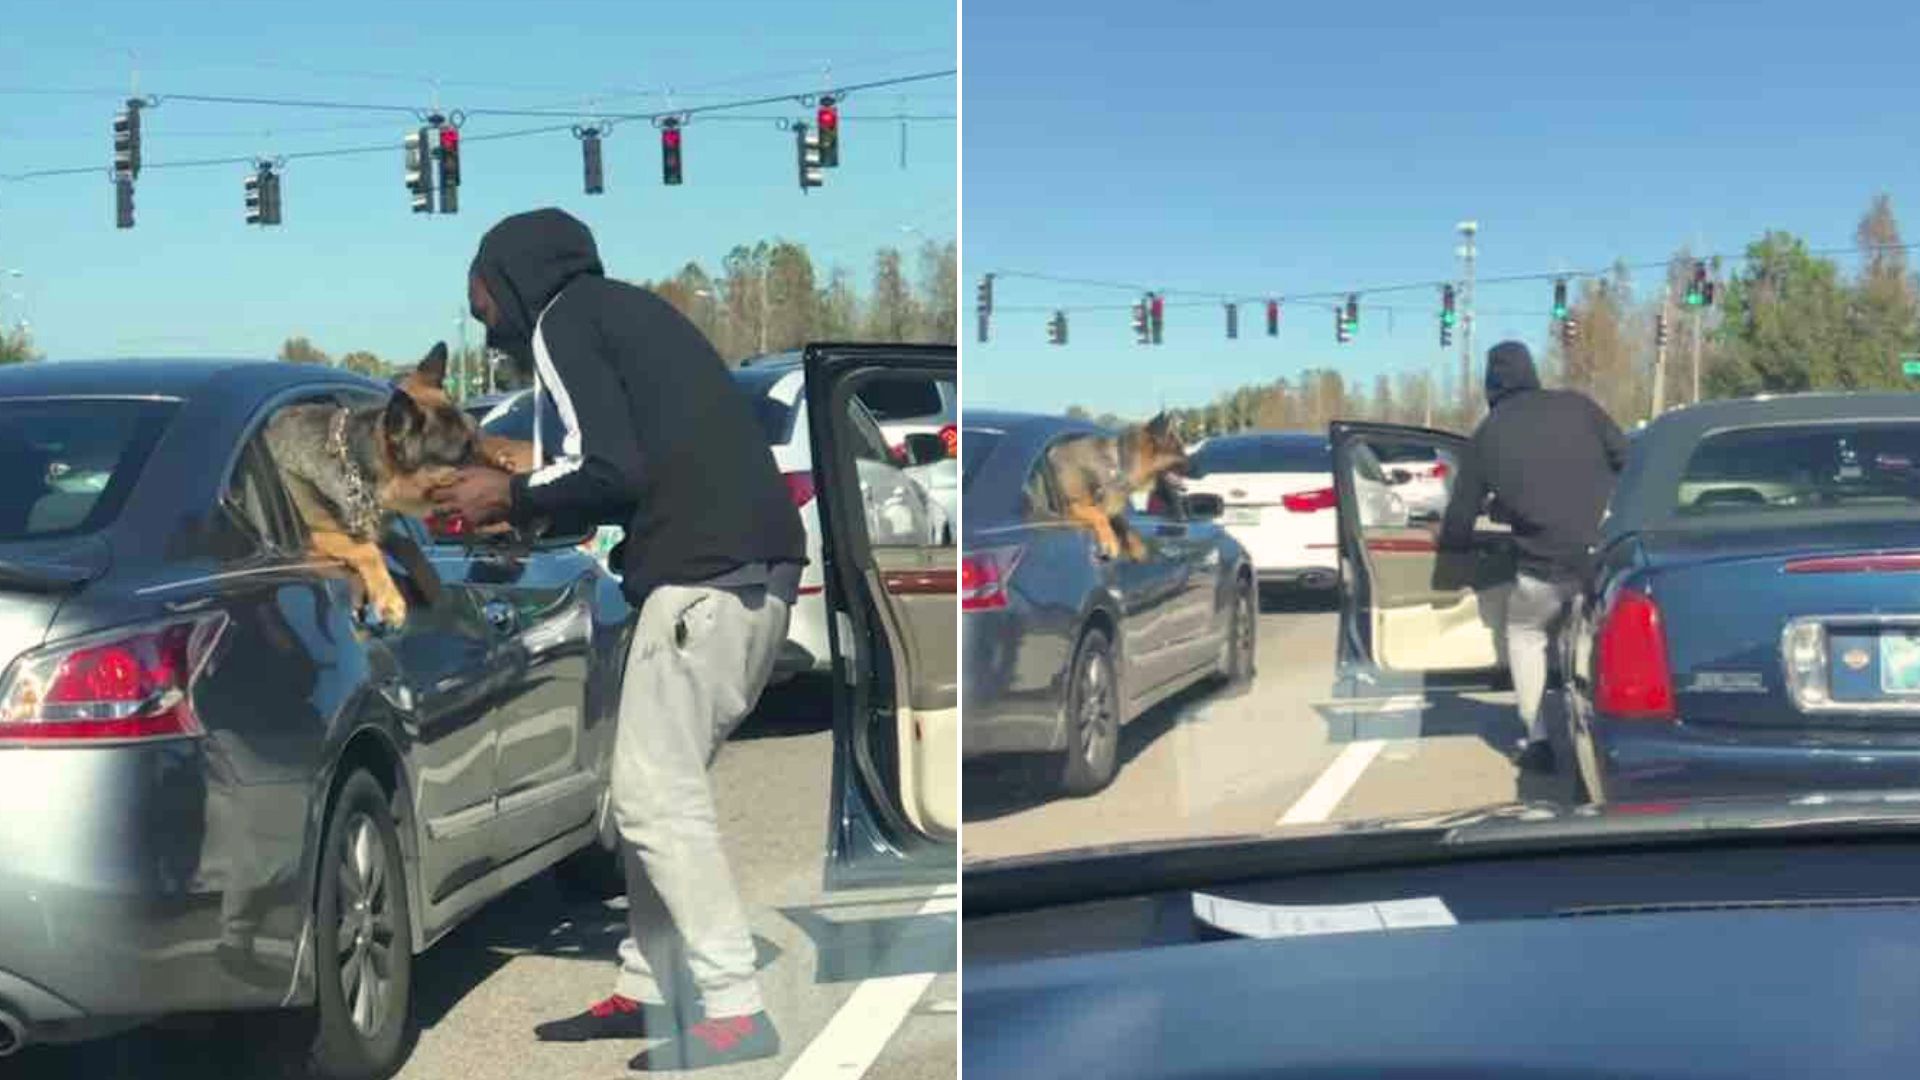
(348, 469)
(1096, 475)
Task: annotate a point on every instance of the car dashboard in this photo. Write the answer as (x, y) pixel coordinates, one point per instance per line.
(1767, 960)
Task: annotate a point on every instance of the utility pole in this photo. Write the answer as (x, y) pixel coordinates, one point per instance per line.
(1665, 319)
(1468, 252)
(1699, 316)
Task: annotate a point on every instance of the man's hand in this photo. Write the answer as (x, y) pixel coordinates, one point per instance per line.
(478, 495)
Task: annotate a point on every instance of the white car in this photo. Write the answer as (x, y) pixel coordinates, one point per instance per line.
(1419, 476)
(1276, 490)
(903, 501)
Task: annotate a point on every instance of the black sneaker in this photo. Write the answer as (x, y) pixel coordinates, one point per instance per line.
(615, 1017)
(724, 1040)
(1537, 757)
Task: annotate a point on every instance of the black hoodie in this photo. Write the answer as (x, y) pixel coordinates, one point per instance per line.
(659, 439)
(1549, 457)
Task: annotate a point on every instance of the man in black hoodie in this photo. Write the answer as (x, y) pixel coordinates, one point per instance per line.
(1549, 459)
(658, 439)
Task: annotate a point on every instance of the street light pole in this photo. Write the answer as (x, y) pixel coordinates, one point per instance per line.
(1468, 252)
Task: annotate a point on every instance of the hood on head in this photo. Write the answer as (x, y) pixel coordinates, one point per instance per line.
(1509, 371)
(526, 260)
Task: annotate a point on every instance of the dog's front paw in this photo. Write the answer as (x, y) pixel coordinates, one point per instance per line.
(1136, 548)
(392, 611)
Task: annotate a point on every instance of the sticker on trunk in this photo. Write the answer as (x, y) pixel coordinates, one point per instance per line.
(1900, 662)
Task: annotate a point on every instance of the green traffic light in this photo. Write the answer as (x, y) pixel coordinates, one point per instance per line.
(1560, 311)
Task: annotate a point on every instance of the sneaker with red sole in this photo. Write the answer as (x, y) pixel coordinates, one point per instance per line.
(614, 1017)
(720, 1040)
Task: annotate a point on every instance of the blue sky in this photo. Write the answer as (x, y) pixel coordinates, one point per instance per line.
(1248, 147)
(351, 267)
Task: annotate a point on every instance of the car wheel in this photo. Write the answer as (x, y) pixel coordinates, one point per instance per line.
(363, 949)
(1237, 658)
(1093, 717)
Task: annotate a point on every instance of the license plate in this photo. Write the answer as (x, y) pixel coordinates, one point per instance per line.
(1899, 662)
(1243, 516)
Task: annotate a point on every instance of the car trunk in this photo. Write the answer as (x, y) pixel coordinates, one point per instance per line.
(1728, 597)
(1258, 512)
(35, 577)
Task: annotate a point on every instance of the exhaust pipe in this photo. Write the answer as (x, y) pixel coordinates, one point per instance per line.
(13, 1034)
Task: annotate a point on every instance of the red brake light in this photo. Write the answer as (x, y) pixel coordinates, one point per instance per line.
(800, 486)
(950, 435)
(1440, 470)
(984, 576)
(132, 684)
(1306, 502)
(898, 453)
(1631, 678)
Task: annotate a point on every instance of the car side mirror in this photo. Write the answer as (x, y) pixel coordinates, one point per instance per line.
(1201, 505)
(925, 449)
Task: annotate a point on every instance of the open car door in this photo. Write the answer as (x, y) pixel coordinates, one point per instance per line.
(1411, 616)
(891, 592)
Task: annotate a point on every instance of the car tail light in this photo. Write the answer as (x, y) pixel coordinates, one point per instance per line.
(984, 577)
(950, 435)
(800, 486)
(898, 452)
(1632, 680)
(126, 685)
(449, 525)
(1440, 471)
(1306, 502)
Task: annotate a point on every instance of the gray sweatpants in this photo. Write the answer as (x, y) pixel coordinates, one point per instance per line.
(1532, 608)
(699, 660)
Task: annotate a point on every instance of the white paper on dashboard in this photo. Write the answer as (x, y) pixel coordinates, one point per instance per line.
(1248, 919)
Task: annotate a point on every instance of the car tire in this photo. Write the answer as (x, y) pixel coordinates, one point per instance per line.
(363, 939)
(1239, 652)
(1093, 717)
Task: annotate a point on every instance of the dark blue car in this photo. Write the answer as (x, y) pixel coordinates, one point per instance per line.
(1060, 647)
(1753, 624)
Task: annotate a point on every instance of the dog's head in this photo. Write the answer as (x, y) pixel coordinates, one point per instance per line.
(423, 428)
(1156, 450)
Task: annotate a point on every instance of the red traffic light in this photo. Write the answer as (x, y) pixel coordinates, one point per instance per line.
(670, 138)
(828, 117)
(449, 138)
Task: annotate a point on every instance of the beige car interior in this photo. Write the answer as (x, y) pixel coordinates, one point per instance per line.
(916, 586)
(1435, 614)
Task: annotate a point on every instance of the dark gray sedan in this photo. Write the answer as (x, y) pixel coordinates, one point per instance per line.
(221, 790)
(1062, 647)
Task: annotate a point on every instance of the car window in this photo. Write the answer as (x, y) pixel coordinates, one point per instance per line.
(977, 446)
(871, 442)
(1784, 470)
(255, 496)
(907, 505)
(1261, 454)
(1037, 497)
(902, 397)
(67, 466)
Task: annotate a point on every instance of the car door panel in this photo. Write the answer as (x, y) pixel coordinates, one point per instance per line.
(1411, 614)
(893, 600)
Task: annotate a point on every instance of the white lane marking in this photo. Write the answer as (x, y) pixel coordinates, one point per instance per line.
(1332, 785)
(852, 1041)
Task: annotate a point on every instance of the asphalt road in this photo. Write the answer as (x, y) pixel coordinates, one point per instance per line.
(539, 952)
(1280, 751)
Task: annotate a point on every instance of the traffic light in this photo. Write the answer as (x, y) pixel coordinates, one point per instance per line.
(670, 151)
(1560, 298)
(1273, 318)
(1157, 307)
(1233, 321)
(126, 141)
(1446, 335)
(263, 195)
(1448, 316)
(1660, 330)
(1341, 333)
(449, 170)
(983, 303)
(1057, 329)
(807, 142)
(590, 160)
(1142, 322)
(1353, 314)
(419, 172)
(1699, 291)
(123, 203)
(827, 119)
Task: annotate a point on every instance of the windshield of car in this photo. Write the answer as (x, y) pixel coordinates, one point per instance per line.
(900, 397)
(1782, 471)
(67, 466)
(1261, 454)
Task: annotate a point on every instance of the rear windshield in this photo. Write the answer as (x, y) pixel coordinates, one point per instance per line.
(66, 467)
(1805, 467)
(1261, 455)
(976, 444)
(774, 416)
(892, 398)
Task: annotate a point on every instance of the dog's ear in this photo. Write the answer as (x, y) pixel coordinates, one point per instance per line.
(402, 425)
(433, 369)
(1160, 424)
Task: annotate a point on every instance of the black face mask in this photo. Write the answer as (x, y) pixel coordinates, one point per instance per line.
(518, 351)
